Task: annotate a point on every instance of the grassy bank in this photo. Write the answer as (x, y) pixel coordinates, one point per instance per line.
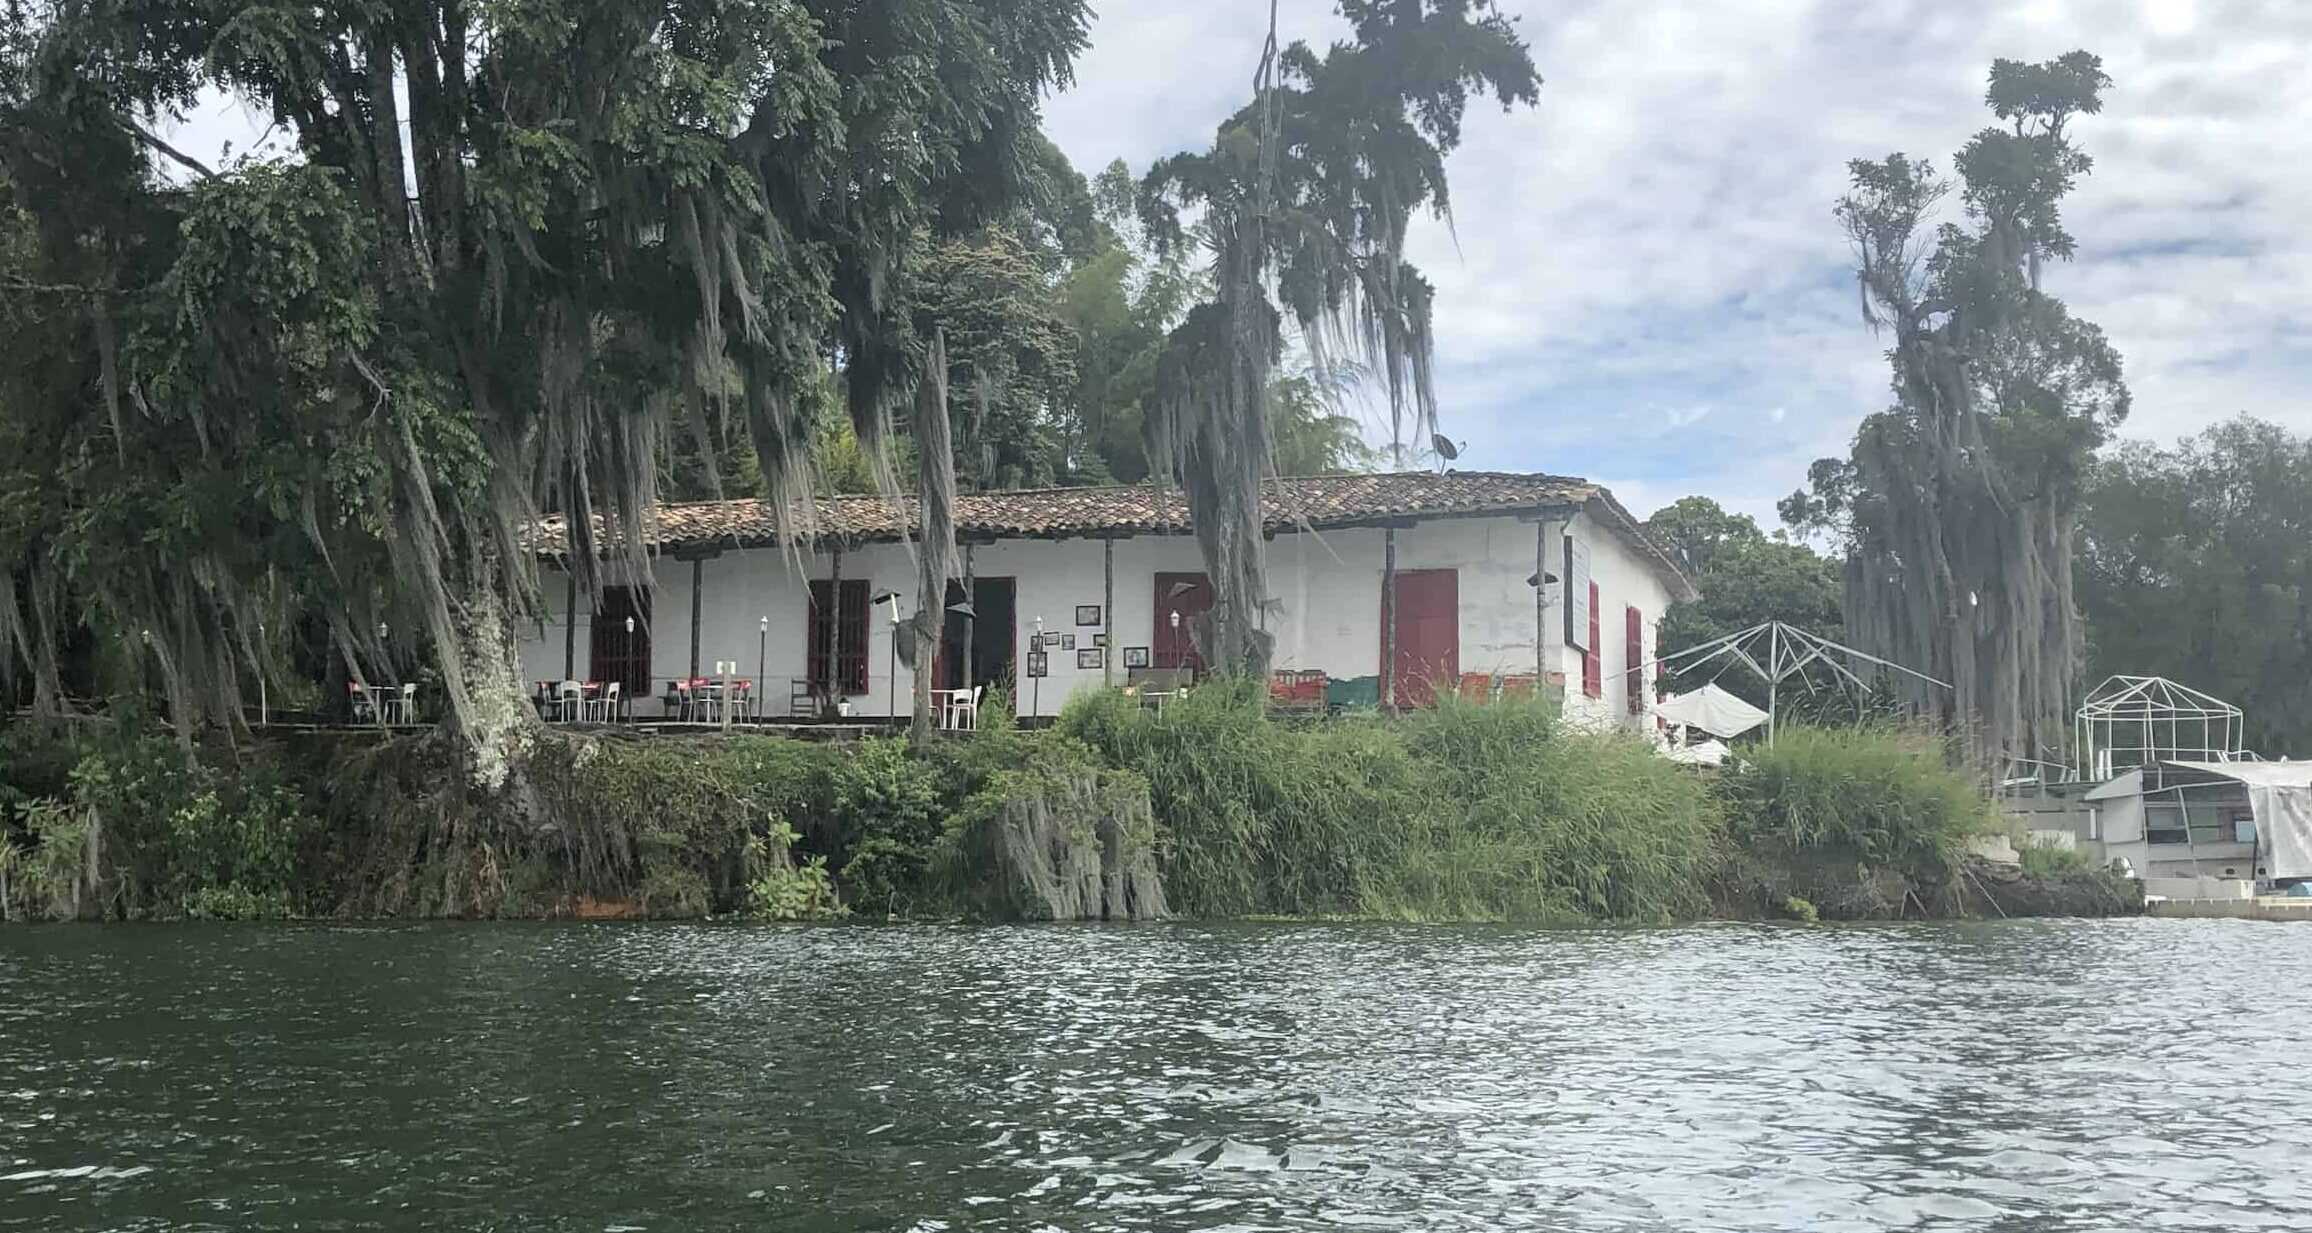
(1461, 812)
(111, 820)
(1457, 812)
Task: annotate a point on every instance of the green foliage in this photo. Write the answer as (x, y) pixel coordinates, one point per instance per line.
(44, 873)
(1461, 812)
(1522, 820)
(1746, 578)
(1876, 797)
(174, 837)
(1792, 907)
(1011, 357)
(314, 383)
(2196, 564)
(2051, 860)
(1303, 199)
(1256, 817)
(785, 889)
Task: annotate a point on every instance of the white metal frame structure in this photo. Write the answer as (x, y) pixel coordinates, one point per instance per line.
(2133, 721)
(1779, 652)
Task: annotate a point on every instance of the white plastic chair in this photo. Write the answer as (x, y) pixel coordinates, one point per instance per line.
(405, 704)
(963, 709)
(569, 701)
(605, 707)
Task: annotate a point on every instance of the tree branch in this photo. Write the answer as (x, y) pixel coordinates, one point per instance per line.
(169, 150)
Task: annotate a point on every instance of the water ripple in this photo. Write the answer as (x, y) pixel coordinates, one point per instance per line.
(2062, 1076)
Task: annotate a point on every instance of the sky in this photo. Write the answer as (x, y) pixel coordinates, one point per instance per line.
(1642, 282)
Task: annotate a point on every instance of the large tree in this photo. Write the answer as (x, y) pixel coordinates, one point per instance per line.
(514, 248)
(1304, 200)
(2196, 564)
(1958, 505)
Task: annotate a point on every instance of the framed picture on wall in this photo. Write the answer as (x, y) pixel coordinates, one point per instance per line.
(1087, 614)
(1135, 657)
(1091, 657)
(1039, 664)
(1051, 640)
(1100, 639)
(1067, 642)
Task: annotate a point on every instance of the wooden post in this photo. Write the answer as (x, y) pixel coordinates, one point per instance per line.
(697, 596)
(1389, 617)
(1540, 605)
(570, 629)
(834, 660)
(1108, 609)
(970, 623)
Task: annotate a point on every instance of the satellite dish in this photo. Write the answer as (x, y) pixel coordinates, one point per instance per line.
(1445, 448)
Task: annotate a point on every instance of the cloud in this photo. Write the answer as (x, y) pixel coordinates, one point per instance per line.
(1643, 279)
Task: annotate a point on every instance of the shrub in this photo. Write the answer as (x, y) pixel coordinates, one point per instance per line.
(784, 889)
(1461, 811)
(1523, 820)
(1255, 817)
(1881, 797)
(172, 836)
(2053, 860)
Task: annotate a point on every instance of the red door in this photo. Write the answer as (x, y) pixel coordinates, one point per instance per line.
(1428, 634)
(1190, 596)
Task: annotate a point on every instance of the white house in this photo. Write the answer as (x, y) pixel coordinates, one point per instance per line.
(1105, 570)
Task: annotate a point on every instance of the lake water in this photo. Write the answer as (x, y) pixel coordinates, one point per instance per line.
(2071, 1075)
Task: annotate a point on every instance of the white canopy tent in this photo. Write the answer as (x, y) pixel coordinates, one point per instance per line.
(1712, 710)
(2280, 793)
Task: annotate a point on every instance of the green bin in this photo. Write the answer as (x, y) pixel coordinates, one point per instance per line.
(1362, 691)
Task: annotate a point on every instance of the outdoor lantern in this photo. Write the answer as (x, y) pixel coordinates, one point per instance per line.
(764, 625)
(630, 625)
(1175, 618)
(381, 630)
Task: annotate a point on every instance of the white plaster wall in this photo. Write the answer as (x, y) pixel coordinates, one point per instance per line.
(1328, 587)
(1327, 616)
(1624, 579)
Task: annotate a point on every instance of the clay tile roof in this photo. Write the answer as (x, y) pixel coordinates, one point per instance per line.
(1320, 501)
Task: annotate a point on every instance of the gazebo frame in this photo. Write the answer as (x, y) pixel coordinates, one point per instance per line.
(2133, 721)
(1777, 652)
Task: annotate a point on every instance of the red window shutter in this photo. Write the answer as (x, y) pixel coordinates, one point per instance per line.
(1593, 682)
(1634, 660)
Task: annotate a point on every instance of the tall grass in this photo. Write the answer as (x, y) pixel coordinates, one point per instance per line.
(1885, 797)
(1255, 817)
(1464, 811)
(1520, 819)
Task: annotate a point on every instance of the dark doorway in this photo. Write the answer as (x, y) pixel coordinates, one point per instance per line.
(1190, 596)
(619, 654)
(990, 634)
(1428, 634)
(836, 660)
